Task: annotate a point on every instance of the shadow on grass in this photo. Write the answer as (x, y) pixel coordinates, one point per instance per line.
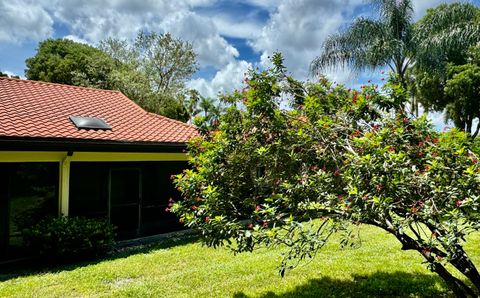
(36, 266)
(379, 284)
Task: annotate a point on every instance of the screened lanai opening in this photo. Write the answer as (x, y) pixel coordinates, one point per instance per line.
(28, 194)
(131, 195)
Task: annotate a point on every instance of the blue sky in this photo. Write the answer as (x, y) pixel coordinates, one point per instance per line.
(229, 36)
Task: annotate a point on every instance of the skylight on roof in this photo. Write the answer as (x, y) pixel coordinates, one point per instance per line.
(89, 123)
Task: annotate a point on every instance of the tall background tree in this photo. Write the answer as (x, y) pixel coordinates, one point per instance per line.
(165, 64)
(67, 62)
(418, 53)
(444, 38)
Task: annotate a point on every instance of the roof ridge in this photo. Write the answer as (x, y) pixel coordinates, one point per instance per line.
(157, 115)
(172, 120)
(59, 85)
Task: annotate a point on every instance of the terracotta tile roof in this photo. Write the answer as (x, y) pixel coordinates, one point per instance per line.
(42, 110)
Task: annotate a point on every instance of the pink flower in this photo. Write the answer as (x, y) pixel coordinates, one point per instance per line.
(258, 208)
(459, 203)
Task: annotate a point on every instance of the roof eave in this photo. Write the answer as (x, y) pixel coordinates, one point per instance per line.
(86, 145)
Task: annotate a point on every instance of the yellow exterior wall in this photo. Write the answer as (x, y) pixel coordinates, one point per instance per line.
(64, 160)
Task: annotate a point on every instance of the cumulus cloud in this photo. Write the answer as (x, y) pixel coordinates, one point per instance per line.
(211, 47)
(23, 20)
(298, 29)
(248, 29)
(225, 80)
(269, 4)
(12, 74)
(76, 39)
(93, 21)
(96, 20)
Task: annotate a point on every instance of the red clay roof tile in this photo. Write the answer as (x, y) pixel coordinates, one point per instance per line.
(42, 110)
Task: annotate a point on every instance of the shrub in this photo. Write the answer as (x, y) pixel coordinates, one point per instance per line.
(70, 237)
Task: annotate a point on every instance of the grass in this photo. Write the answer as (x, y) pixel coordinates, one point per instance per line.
(184, 268)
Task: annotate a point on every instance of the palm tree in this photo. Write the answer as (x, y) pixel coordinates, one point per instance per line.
(369, 44)
(210, 109)
(445, 34)
(445, 53)
(191, 104)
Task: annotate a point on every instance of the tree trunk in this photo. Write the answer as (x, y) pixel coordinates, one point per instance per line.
(459, 288)
(469, 125)
(467, 268)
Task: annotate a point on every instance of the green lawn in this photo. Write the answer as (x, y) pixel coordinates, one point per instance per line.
(179, 268)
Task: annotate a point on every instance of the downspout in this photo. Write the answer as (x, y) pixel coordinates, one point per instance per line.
(65, 183)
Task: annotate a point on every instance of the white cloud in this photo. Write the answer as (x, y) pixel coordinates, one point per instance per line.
(268, 4)
(226, 80)
(93, 21)
(76, 39)
(212, 49)
(298, 28)
(227, 26)
(12, 74)
(22, 20)
(96, 20)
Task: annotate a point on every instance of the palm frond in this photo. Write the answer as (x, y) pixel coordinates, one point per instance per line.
(350, 48)
(446, 33)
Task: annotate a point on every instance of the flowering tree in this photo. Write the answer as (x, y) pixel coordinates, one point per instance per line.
(293, 177)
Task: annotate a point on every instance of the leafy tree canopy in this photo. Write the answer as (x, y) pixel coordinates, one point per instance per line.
(462, 92)
(418, 53)
(67, 62)
(445, 34)
(444, 38)
(164, 62)
(337, 158)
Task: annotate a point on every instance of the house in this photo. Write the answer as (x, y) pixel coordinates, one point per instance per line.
(85, 152)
